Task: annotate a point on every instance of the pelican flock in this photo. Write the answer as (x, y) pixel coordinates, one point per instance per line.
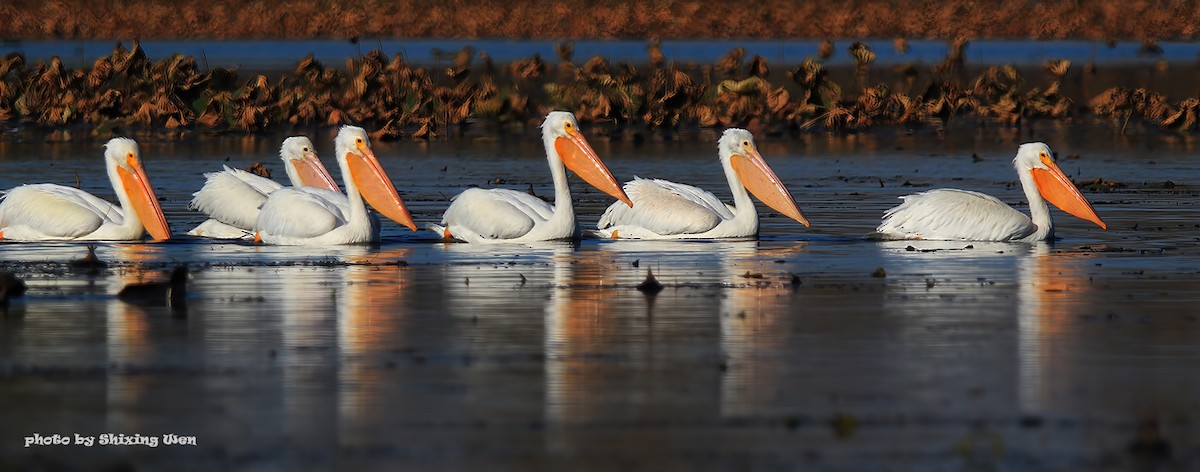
(319, 216)
(952, 214)
(51, 212)
(314, 211)
(667, 210)
(502, 215)
(231, 197)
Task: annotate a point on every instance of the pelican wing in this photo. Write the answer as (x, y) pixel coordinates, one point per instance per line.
(666, 207)
(56, 211)
(951, 214)
(233, 196)
(497, 213)
(211, 228)
(302, 212)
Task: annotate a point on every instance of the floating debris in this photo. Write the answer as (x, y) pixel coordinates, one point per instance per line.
(10, 287)
(1150, 444)
(172, 293)
(259, 169)
(879, 273)
(844, 425)
(650, 286)
(1099, 185)
(90, 261)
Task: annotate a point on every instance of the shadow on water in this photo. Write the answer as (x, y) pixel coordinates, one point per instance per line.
(793, 349)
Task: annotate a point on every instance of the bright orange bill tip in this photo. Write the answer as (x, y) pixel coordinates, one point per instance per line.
(578, 156)
(378, 190)
(761, 181)
(1061, 192)
(145, 202)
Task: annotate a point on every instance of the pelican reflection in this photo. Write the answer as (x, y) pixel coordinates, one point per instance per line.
(372, 319)
(136, 336)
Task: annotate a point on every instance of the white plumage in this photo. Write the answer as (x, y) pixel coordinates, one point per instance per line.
(951, 214)
(314, 216)
(948, 214)
(231, 197)
(54, 212)
(664, 208)
(668, 210)
(306, 212)
(510, 214)
(502, 215)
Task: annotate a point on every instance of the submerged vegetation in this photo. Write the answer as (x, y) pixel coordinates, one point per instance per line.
(128, 89)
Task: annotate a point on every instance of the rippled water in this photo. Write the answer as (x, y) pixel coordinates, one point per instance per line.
(779, 353)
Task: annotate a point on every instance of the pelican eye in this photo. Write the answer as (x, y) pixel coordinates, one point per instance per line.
(306, 149)
(746, 144)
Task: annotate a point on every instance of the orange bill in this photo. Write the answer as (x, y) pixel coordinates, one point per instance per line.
(1054, 185)
(578, 156)
(145, 202)
(376, 188)
(761, 181)
(314, 174)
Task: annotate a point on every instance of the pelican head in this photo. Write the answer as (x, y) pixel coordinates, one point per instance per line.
(363, 169)
(737, 147)
(1035, 159)
(302, 165)
(561, 129)
(121, 156)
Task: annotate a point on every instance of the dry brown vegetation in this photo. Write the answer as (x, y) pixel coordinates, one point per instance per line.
(397, 99)
(567, 19)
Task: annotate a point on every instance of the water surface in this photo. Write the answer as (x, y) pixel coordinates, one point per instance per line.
(776, 353)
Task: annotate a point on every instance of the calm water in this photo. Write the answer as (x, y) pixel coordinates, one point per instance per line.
(1078, 355)
(273, 54)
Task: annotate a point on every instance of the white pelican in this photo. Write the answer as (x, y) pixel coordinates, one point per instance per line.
(667, 210)
(231, 197)
(317, 216)
(38, 212)
(951, 214)
(500, 215)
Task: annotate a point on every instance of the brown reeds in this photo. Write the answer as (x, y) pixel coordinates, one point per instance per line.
(1100, 20)
(402, 100)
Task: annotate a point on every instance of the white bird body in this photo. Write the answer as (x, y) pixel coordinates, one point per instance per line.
(952, 214)
(511, 216)
(40, 212)
(507, 216)
(667, 210)
(232, 197)
(315, 216)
